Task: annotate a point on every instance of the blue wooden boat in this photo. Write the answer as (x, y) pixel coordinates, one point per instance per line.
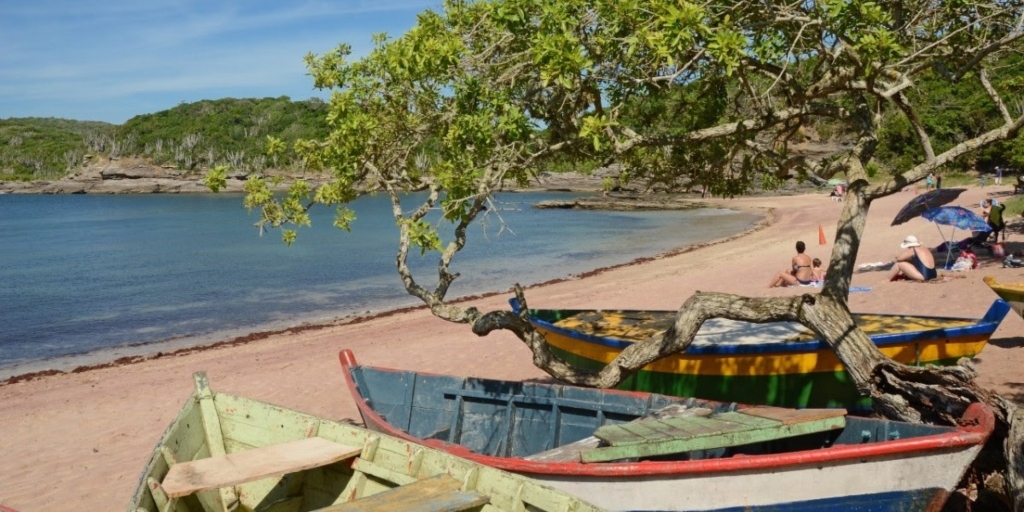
(625, 450)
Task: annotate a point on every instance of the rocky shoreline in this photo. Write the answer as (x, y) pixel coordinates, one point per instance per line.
(137, 176)
(122, 176)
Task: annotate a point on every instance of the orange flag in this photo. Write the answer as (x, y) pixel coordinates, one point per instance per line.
(821, 235)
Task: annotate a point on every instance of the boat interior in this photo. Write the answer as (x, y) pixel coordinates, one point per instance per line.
(524, 419)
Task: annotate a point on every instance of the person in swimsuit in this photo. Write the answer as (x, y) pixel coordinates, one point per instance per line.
(817, 273)
(915, 263)
(800, 274)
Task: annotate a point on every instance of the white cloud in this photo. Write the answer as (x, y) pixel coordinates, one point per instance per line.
(62, 57)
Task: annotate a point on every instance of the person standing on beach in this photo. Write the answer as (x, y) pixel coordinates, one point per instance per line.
(992, 212)
(999, 175)
(800, 274)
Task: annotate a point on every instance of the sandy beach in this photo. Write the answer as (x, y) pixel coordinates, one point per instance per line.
(78, 441)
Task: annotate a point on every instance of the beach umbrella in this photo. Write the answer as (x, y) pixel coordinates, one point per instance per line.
(957, 216)
(836, 181)
(925, 202)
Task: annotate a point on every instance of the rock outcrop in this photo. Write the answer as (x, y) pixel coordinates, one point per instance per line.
(122, 176)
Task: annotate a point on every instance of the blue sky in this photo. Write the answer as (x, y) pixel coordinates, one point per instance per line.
(110, 60)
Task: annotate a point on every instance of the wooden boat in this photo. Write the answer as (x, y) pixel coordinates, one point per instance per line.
(777, 363)
(688, 455)
(1010, 292)
(225, 453)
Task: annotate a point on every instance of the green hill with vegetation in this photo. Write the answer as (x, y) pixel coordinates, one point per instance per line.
(35, 148)
(199, 135)
(190, 136)
(233, 132)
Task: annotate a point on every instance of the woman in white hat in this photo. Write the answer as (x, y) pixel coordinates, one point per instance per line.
(915, 262)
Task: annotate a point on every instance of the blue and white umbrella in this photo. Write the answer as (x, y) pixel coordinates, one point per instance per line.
(957, 216)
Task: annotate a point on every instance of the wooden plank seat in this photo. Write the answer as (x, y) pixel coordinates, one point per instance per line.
(440, 493)
(683, 434)
(572, 452)
(186, 478)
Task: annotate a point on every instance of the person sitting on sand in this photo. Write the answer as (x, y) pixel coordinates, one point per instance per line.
(800, 274)
(817, 273)
(915, 263)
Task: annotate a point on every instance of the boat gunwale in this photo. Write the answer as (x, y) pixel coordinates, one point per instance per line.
(983, 325)
(978, 422)
(530, 496)
(1010, 287)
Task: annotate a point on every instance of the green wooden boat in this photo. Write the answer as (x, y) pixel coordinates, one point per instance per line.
(228, 453)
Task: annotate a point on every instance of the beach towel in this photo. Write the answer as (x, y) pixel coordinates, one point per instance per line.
(878, 265)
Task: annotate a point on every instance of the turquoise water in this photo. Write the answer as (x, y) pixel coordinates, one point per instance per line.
(105, 274)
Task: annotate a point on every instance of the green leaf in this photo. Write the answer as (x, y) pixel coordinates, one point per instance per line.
(216, 178)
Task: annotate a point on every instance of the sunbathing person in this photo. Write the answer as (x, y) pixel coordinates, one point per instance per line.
(817, 273)
(915, 263)
(799, 274)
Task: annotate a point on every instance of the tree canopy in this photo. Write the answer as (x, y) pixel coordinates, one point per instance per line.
(485, 93)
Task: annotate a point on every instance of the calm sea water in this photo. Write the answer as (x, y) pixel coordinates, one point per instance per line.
(100, 275)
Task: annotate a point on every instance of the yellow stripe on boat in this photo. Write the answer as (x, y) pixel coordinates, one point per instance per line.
(639, 325)
(1010, 292)
(775, 363)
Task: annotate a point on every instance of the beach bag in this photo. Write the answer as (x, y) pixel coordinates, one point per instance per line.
(961, 264)
(971, 257)
(966, 261)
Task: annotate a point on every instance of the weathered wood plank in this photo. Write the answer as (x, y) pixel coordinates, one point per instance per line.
(567, 452)
(744, 421)
(186, 478)
(214, 437)
(695, 427)
(640, 439)
(790, 416)
(440, 493)
(379, 472)
(571, 452)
